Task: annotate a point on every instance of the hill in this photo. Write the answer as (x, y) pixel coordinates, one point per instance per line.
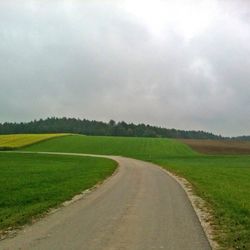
(141, 148)
(87, 127)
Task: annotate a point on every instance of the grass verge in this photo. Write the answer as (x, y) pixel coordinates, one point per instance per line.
(224, 182)
(33, 183)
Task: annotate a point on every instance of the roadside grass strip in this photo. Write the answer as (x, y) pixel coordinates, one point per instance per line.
(33, 183)
(224, 183)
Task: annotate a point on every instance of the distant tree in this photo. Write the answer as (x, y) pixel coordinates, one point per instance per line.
(87, 127)
(112, 123)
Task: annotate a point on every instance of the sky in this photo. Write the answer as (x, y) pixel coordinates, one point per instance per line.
(173, 63)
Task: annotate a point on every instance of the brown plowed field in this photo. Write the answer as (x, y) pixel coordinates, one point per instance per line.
(219, 146)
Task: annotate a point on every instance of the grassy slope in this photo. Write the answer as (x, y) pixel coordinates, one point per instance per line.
(32, 183)
(143, 148)
(21, 140)
(223, 181)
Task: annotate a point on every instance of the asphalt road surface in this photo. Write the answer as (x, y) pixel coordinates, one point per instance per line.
(140, 208)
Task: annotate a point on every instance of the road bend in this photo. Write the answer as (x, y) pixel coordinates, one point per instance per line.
(139, 208)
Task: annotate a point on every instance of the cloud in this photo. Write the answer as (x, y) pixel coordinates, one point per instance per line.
(172, 64)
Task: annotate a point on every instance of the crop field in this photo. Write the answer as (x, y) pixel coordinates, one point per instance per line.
(33, 183)
(226, 147)
(20, 140)
(223, 181)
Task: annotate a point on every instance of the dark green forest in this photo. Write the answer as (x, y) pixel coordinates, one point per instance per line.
(87, 127)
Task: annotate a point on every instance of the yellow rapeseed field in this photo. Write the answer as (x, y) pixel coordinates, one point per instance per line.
(20, 140)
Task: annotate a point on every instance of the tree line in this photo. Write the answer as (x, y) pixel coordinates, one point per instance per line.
(88, 127)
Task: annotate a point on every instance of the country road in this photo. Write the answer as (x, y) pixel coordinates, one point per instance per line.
(139, 208)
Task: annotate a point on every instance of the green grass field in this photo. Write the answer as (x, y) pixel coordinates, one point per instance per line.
(8, 142)
(33, 183)
(223, 181)
(142, 148)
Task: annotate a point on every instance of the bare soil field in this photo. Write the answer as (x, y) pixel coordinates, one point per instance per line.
(226, 147)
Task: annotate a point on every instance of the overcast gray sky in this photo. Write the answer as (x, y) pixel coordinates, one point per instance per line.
(180, 63)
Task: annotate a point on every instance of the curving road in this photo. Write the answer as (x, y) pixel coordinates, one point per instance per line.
(140, 208)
